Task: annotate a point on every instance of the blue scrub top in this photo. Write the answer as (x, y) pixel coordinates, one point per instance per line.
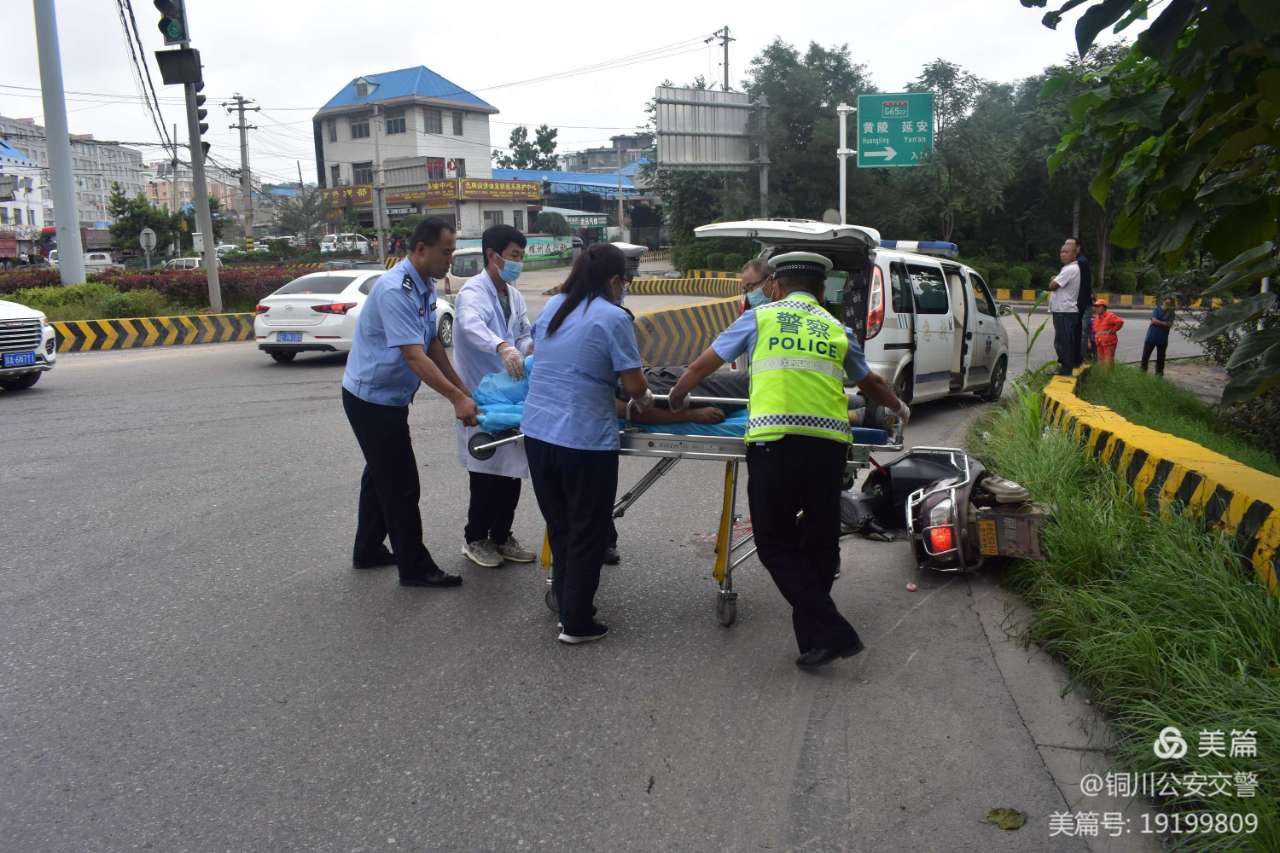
(741, 338)
(400, 310)
(570, 400)
(1159, 334)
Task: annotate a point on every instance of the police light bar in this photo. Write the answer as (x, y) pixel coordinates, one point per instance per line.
(937, 248)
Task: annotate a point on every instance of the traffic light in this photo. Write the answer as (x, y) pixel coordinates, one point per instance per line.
(173, 20)
(201, 114)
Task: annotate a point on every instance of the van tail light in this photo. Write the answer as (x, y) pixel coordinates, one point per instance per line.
(875, 304)
(334, 308)
(261, 309)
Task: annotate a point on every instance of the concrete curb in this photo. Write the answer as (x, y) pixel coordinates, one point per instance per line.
(679, 335)
(1173, 473)
(87, 335)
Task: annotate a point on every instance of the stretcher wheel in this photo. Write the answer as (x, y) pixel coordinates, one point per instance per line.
(550, 600)
(477, 440)
(727, 608)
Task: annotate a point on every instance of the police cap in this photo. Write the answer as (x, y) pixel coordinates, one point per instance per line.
(805, 263)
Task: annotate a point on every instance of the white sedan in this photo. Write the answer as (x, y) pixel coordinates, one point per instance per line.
(318, 313)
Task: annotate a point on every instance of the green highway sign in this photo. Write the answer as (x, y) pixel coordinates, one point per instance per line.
(894, 129)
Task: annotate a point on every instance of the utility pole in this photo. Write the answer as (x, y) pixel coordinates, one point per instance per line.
(762, 105)
(626, 239)
(377, 184)
(843, 153)
(246, 182)
(61, 177)
(723, 35)
(200, 189)
(173, 192)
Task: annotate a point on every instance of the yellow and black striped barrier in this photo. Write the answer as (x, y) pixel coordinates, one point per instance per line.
(679, 335)
(1173, 473)
(1122, 300)
(721, 287)
(712, 274)
(86, 335)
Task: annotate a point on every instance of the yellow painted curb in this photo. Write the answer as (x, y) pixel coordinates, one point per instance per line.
(86, 335)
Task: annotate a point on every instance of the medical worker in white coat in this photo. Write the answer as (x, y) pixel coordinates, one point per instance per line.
(491, 334)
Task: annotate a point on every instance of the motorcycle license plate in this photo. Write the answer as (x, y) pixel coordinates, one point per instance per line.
(988, 541)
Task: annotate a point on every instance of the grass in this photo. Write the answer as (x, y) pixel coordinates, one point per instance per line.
(1152, 402)
(1153, 615)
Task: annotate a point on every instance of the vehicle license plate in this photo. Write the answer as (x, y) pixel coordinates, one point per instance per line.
(988, 542)
(289, 337)
(19, 359)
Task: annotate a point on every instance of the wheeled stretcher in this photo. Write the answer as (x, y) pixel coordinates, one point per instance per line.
(670, 448)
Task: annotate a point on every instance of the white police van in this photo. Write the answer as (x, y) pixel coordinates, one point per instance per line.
(929, 324)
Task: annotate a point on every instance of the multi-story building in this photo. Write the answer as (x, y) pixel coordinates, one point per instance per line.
(22, 203)
(634, 147)
(431, 139)
(96, 166)
(171, 191)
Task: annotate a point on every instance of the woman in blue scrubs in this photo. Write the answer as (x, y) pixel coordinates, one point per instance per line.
(585, 344)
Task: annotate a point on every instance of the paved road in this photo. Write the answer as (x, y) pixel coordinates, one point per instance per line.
(188, 662)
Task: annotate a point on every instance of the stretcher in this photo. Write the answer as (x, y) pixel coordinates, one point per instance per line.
(671, 448)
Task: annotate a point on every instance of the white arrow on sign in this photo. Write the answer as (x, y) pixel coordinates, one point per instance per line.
(887, 153)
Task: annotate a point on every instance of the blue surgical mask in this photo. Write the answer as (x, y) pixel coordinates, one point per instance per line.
(757, 297)
(510, 270)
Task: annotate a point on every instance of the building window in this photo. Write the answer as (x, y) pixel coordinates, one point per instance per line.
(492, 217)
(360, 127)
(17, 216)
(517, 219)
(434, 120)
(333, 130)
(361, 173)
(435, 168)
(457, 122)
(461, 166)
(4, 216)
(395, 122)
(362, 89)
(336, 174)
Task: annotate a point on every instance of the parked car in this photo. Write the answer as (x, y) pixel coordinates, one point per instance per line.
(187, 264)
(93, 261)
(344, 243)
(227, 249)
(28, 346)
(318, 313)
(928, 323)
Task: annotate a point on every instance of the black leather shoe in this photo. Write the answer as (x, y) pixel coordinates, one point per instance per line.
(612, 557)
(815, 658)
(380, 559)
(435, 577)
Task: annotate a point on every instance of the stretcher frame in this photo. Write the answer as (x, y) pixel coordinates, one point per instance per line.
(670, 449)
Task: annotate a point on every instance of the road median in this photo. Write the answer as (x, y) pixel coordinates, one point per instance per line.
(129, 333)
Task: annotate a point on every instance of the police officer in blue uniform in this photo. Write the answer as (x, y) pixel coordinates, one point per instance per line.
(394, 350)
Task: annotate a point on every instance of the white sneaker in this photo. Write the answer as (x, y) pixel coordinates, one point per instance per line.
(482, 553)
(515, 552)
(595, 632)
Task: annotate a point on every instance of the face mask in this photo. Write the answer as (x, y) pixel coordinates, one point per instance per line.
(510, 270)
(757, 297)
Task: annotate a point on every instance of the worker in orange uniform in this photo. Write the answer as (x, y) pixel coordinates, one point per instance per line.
(1105, 328)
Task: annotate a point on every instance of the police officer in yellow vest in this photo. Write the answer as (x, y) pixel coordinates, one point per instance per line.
(797, 437)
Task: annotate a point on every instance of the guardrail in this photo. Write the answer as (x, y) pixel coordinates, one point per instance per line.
(1173, 473)
(86, 335)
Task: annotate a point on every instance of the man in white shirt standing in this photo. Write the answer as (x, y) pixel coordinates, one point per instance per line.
(1064, 294)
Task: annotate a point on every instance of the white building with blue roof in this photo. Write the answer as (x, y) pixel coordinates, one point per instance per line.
(22, 205)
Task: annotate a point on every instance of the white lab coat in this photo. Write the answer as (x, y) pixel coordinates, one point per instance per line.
(479, 325)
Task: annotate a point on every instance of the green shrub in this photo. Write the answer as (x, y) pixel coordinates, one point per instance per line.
(134, 303)
(1149, 279)
(996, 274)
(1121, 280)
(714, 260)
(1019, 278)
(733, 262)
(50, 299)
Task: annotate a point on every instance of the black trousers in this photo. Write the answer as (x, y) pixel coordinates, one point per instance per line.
(493, 507)
(575, 491)
(1066, 339)
(786, 476)
(389, 488)
(1160, 347)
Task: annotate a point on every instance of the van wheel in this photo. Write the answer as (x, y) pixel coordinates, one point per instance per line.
(904, 386)
(284, 356)
(992, 393)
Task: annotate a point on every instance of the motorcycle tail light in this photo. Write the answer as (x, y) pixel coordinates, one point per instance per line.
(941, 539)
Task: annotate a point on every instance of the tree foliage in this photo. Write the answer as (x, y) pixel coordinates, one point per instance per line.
(1188, 125)
(130, 215)
(552, 223)
(305, 214)
(538, 153)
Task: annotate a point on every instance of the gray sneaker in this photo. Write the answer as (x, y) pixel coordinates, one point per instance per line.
(515, 552)
(482, 553)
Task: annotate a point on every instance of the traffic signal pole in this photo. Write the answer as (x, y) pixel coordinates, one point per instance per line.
(204, 219)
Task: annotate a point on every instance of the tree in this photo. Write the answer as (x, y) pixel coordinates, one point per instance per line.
(538, 154)
(187, 224)
(1188, 122)
(130, 215)
(305, 213)
(552, 223)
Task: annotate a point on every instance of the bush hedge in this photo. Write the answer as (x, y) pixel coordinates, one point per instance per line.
(178, 289)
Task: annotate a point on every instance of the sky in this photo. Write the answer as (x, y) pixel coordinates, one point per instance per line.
(292, 56)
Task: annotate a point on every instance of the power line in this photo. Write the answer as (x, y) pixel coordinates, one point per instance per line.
(138, 68)
(151, 86)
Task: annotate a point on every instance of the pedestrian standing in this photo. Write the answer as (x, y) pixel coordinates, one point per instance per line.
(1158, 334)
(1084, 299)
(1106, 331)
(585, 344)
(1064, 291)
(797, 442)
(491, 334)
(393, 351)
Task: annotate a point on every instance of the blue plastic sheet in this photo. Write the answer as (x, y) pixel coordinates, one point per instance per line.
(500, 399)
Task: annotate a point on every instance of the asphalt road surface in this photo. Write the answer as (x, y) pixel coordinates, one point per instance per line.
(188, 661)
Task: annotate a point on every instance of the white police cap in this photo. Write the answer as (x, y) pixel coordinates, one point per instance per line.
(801, 262)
